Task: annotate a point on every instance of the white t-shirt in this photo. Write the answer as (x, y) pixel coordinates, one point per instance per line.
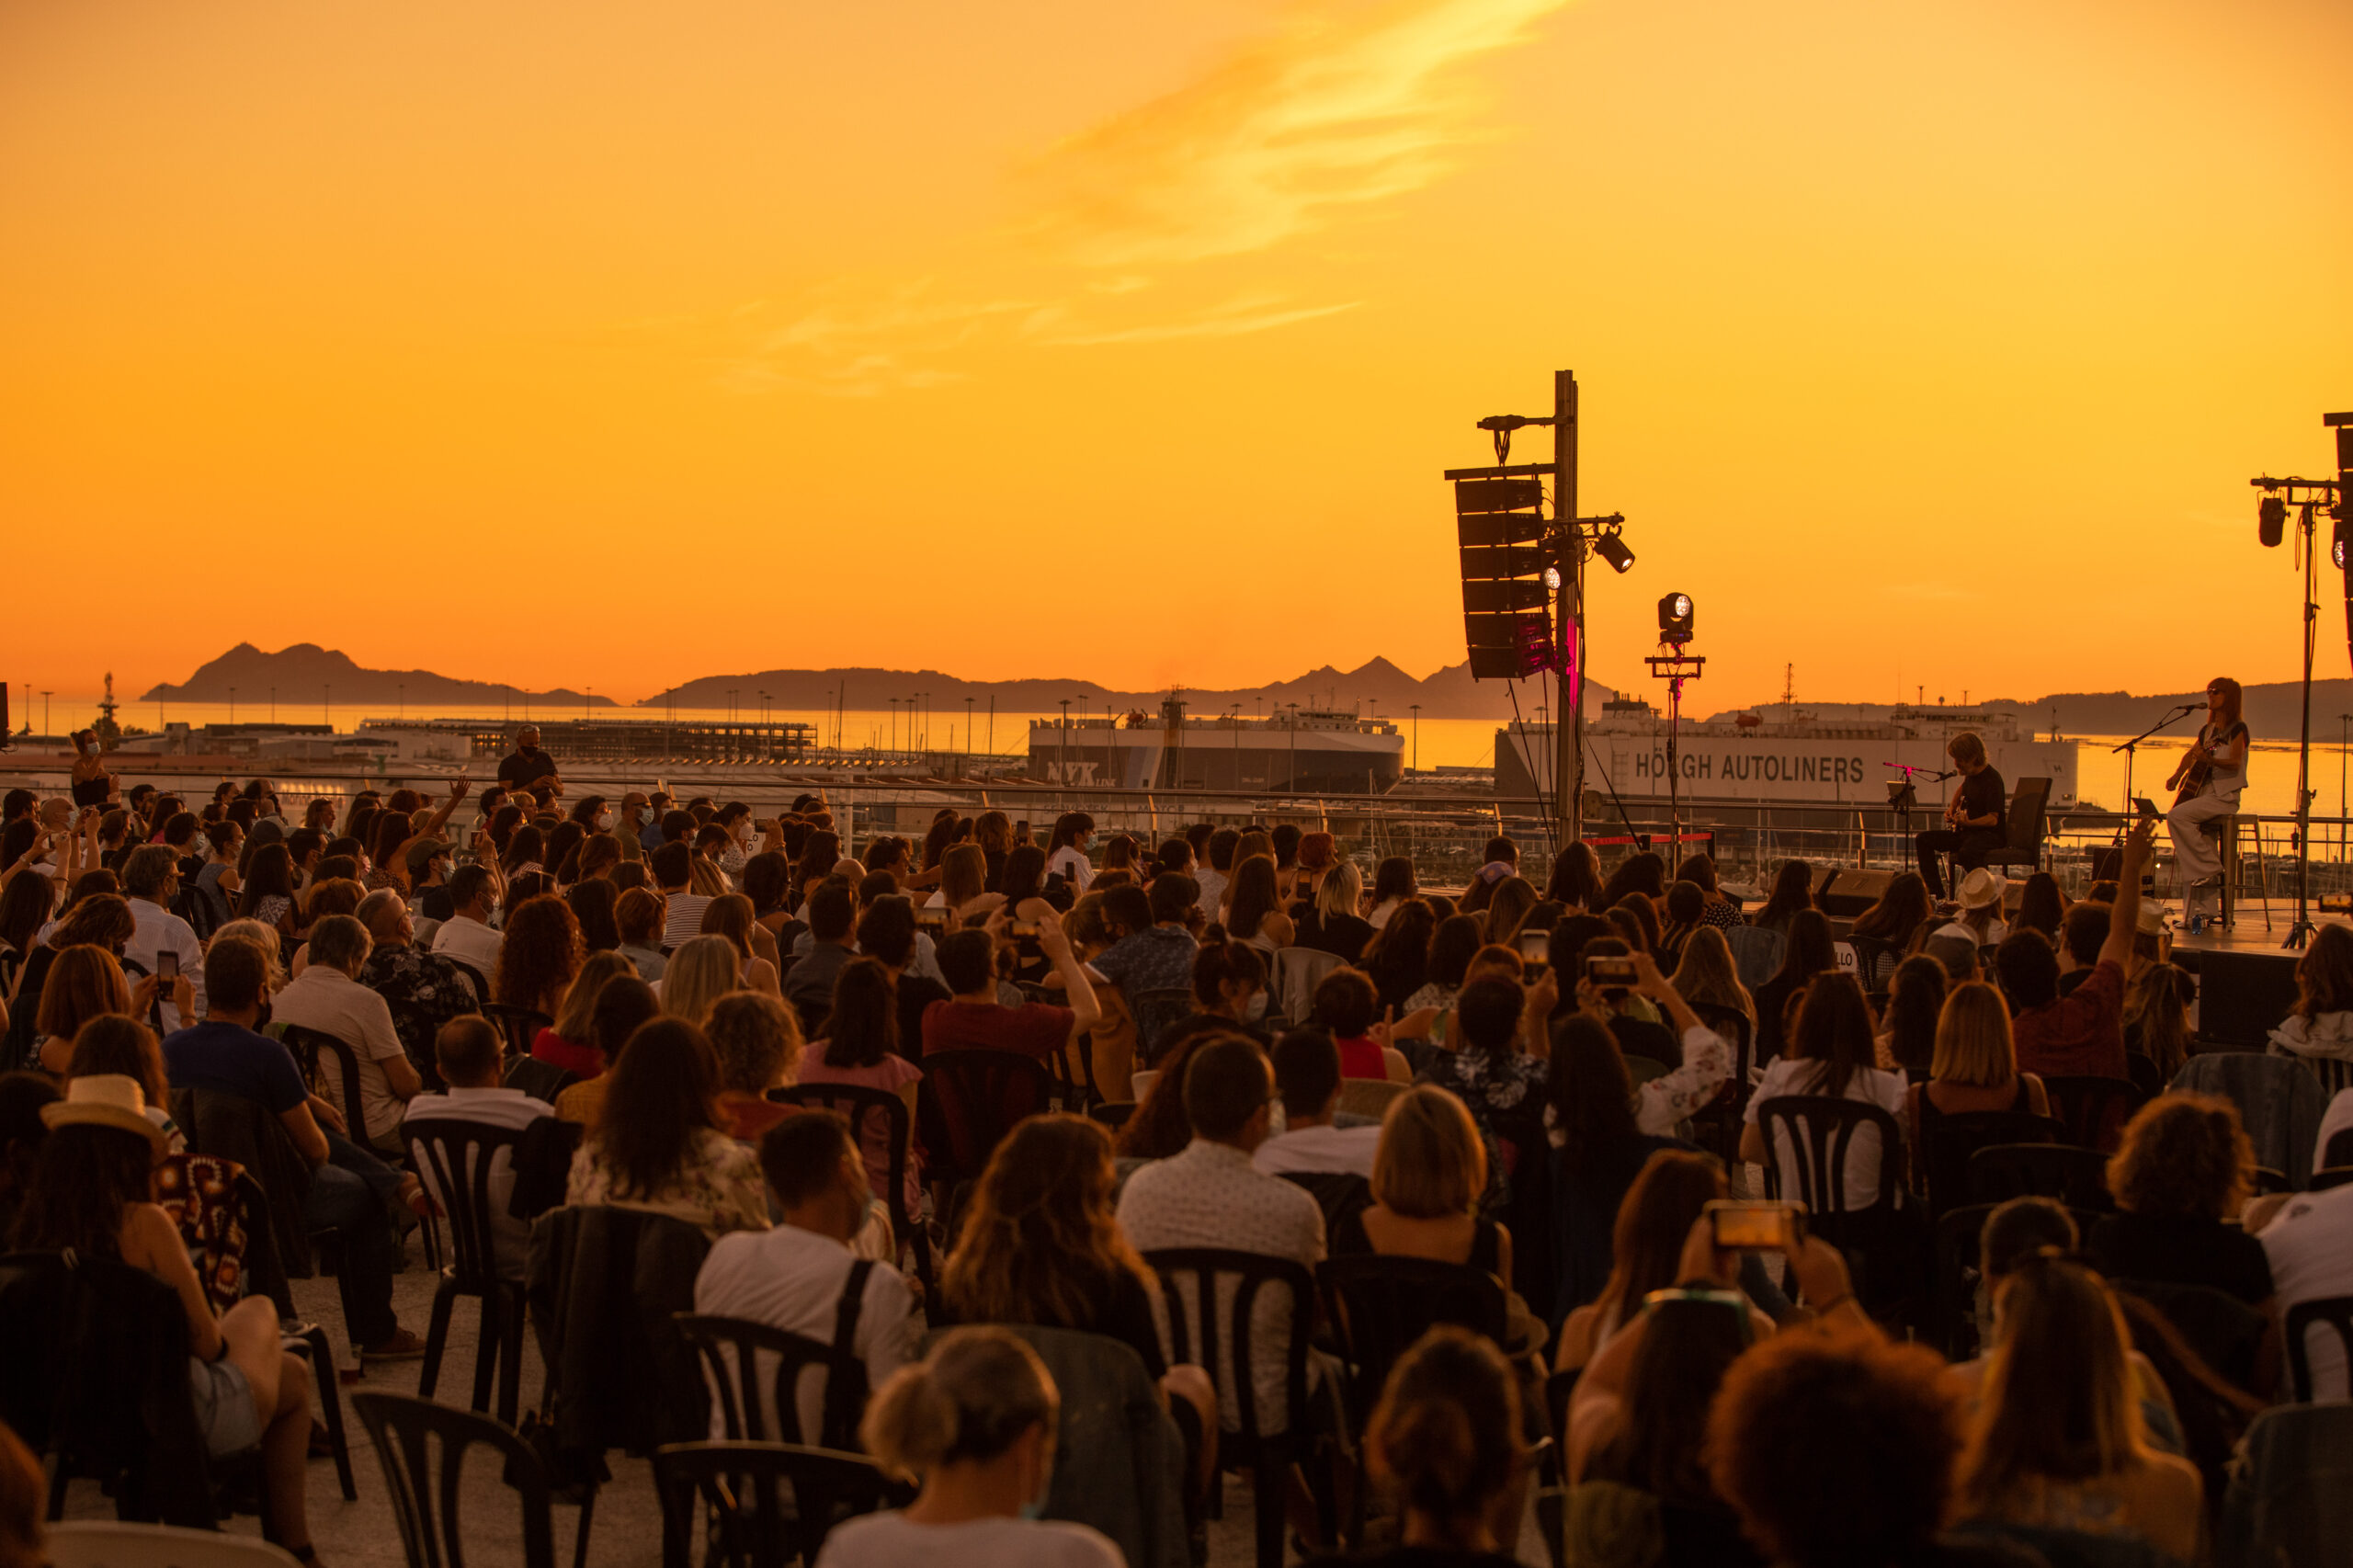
(325, 998)
(792, 1279)
(2310, 1244)
(2335, 1119)
(468, 941)
(1068, 862)
(1790, 1075)
(892, 1540)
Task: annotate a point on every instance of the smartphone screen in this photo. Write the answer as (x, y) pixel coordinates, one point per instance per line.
(1606, 970)
(167, 966)
(1536, 947)
(1757, 1226)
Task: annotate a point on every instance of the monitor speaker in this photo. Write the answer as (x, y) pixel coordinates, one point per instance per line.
(1845, 893)
(2243, 996)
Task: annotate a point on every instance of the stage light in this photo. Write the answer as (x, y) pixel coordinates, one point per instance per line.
(1552, 577)
(1612, 549)
(2271, 521)
(1675, 619)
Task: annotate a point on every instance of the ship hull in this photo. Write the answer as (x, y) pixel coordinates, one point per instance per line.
(1828, 770)
(1244, 759)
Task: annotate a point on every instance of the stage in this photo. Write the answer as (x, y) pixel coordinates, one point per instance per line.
(2246, 978)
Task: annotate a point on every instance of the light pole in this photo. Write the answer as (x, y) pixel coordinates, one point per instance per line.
(1234, 719)
(1066, 763)
(273, 705)
(894, 721)
(402, 710)
(1417, 737)
(232, 712)
(967, 727)
(1292, 783)
(44, 713)
(2343, 721)
(326, 705)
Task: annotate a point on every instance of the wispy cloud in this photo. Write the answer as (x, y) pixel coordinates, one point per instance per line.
(1349, 104)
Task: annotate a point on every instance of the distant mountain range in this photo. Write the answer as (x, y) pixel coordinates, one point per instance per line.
(306, 672)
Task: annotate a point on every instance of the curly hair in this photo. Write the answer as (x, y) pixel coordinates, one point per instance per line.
(1040, 1244)
(2183, 1155)
(539, 955)
(1836, 1446)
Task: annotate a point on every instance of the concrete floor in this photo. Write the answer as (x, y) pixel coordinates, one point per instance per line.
(627, 1531)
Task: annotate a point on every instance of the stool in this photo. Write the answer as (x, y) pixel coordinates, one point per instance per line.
(2224, 832)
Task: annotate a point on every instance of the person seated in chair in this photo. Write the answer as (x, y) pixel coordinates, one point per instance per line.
(1307, 1075)
(470, 1053)
(1976, 818)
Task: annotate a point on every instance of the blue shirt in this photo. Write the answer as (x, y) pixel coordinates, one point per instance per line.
(232, 1059)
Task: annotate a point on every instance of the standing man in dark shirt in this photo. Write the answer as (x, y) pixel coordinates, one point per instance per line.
(528, 766)
(1976, 818)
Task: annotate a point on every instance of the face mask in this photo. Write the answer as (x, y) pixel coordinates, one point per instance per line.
(603, 821)
(1257, 1008)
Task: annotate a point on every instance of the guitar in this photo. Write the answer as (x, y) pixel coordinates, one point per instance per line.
(2199, 766)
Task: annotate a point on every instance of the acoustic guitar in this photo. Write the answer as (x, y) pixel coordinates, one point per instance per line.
(2193, 782)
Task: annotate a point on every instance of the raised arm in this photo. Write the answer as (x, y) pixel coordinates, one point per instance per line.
(2124, 917)
(1085, 1012)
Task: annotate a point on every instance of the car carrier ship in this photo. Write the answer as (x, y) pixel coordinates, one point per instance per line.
(1296, 750)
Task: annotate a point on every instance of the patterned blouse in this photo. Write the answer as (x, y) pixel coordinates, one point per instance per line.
(718, 1188)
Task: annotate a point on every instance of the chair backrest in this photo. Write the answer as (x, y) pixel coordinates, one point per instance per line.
(2225, 1331)
(2146, 1075)
(1380, 1306)
(2328, 1176)
(1140, 1083)
(755, 1373)
(1370, 1097)
(1298, 972)
(199, 1192)
(456, 1155)
(1951, 1141)
(1953, 1280)
(1113, 1114)
(312, 1049)
(96, 1381)
(1189, 1279)
(2280, 1104)
(1757, 952)
(1819, 1131)
(1118, 1453)
(743, 1486)
(2334, 1313)
(1739, 1031)
(858, 1104)
(604, 1286)
(404, 1433)
(2077, 1177)
(1875, 962)
(541, 1080)
(243, 1130)
(2339, 1152)
(2093, 1110)
(110, 1543)
(2291, 1501)
(520, 1025)
(475, 977)
(2029, 804)
(979, 1096)
(1154, 1010)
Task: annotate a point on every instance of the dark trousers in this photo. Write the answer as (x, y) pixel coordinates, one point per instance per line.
(350, 1194)
(1967, 848)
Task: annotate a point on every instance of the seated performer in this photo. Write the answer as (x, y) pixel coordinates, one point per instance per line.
(2212, 772)
(1976, 818)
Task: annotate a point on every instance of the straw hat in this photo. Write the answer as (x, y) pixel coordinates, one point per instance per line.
(104, 1100)
(1982, 887)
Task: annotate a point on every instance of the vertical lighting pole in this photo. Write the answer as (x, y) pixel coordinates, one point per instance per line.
(233, 711)
(44, 713)
(1417, 737)
(1568, 762)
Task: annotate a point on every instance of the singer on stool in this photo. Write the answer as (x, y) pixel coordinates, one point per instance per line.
(1975, 818)
(2212, 775)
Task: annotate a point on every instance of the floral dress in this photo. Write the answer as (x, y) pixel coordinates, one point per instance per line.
(718, 1188)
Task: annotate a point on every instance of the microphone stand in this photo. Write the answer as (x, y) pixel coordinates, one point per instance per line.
(1906, 798)
(2172, 716)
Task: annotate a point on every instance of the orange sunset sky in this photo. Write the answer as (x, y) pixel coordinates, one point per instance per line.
(1930, 341)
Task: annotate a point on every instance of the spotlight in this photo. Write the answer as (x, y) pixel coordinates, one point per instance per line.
(2271, 521)
(1612, 549)
(1675, 619)
(1552, 574)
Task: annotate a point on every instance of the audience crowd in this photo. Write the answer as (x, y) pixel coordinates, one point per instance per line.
(1930, 1234)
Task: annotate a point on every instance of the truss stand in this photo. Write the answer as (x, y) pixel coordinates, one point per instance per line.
(2307, 495)
(1673, 668)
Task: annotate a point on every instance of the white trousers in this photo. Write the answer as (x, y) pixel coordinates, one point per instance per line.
(2195, 856)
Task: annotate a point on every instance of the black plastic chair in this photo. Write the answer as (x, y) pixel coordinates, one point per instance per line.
(2325, 1311)
(2072, 1175)
(1112, 1114)
(541, 1080)
(1716, 1126)
(734, 1351)
(2328, 1176)
(96, 1382)
(520, 1024)
(1190, 1275)
(311, 1047)
(2291, 1495)
(1952, 1292)
(1154, 1010)
(2030, 803)
(1950, 1140)
(975, 1099)
(856, 1102)
(425, 1502)
(743, 1486)
(2225, 1331)
(1819, 1133)
(1527, 1155)
(2146, 1075)
(458, 1156)
(475, 978)
(2094, 1109)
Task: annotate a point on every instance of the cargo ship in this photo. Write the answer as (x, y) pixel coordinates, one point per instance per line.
(1295, 751)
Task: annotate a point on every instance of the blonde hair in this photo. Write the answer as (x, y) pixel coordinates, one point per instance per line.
(1708, 977)
(572, 1019)
(1341, 891)
(968, 1400)
(1430, 1164)
(266, 939)
(963, 875)
(703, 969)
(1974, 1044)
(703, 880)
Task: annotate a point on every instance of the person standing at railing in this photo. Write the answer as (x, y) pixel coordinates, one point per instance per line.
(1976, 818)
(2212, 775)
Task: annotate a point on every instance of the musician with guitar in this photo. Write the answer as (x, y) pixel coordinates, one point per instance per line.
(2212, 775)
(1976, 818)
